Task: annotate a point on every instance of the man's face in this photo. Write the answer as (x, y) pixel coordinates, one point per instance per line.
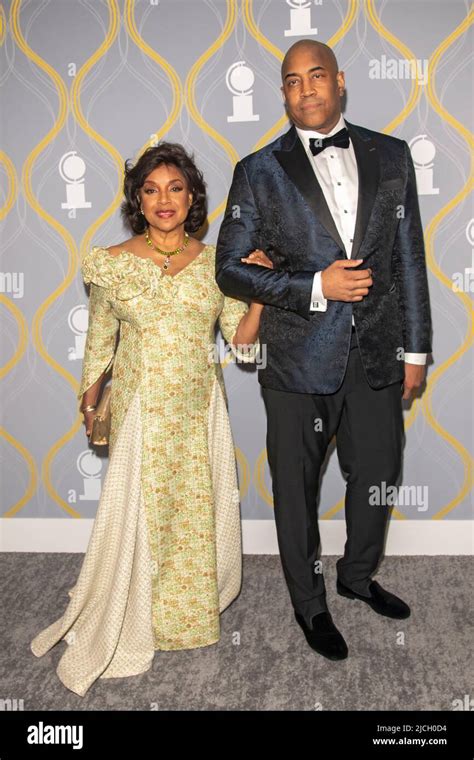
(312, 89)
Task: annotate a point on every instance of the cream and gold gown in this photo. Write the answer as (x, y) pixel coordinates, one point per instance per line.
(164, 557)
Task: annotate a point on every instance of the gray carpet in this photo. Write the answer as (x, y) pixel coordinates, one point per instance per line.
(272, 667)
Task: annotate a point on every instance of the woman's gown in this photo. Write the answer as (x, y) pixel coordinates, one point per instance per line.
(164, 557)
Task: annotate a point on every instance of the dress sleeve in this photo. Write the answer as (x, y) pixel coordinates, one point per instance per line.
(99, 350)
(232, 312)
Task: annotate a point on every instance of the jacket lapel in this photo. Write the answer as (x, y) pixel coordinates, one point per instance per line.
(368, 169)
(295, 162)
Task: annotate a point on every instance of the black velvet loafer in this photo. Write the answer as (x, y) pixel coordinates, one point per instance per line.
(381, 601)
(324, 637)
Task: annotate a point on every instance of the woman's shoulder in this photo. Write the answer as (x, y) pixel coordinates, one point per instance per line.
(206, 253)
(209, 248)
(94, 264)
(128, 246)
(106, 266)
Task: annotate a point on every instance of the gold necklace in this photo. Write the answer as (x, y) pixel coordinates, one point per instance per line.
(168, 254)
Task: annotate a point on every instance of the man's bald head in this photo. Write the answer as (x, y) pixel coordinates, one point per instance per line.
(312, 85)
(323, 51)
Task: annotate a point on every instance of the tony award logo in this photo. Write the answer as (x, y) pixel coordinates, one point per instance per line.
(90, 466)
(72, 169)
(423, 152)
(300, 18)
(463, 282)
(239, 80)
(78, 320)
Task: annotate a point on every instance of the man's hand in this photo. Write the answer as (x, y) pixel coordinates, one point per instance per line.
(414, 378)
(340, 284)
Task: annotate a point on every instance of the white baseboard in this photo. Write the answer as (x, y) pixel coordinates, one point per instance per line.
(405, 537)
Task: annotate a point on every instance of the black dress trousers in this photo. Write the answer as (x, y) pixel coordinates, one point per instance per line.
(368, 425)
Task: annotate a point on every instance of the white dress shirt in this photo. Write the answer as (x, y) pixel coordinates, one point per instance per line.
(337, 174)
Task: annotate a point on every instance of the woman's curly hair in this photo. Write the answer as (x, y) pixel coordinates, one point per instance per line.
(135, 176)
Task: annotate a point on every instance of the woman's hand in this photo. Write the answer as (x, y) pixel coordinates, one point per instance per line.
(261, 259)
(89, 398)
(258, 257)
(88, 420)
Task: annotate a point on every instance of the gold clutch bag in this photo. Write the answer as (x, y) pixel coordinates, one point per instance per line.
(100, 432)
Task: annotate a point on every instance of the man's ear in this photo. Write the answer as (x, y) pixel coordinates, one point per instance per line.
(341, 82)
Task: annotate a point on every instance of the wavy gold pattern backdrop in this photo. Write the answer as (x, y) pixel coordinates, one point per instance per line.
(86, 84)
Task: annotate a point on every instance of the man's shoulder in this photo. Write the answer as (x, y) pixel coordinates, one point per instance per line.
(263, 154)
(380, 138)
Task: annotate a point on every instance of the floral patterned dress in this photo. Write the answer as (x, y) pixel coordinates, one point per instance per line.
(164, 558)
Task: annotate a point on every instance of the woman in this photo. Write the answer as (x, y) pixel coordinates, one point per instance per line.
(164, 558)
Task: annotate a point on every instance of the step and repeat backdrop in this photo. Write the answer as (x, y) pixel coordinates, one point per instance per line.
(86, 84)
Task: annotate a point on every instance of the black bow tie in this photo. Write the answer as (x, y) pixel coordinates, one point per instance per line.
(339, 140)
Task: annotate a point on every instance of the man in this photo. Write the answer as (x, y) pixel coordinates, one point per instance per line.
(346, 323)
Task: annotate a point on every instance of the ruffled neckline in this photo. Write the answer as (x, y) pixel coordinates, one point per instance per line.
(129, 275)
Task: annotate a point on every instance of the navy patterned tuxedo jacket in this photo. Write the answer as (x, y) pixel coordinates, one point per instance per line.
(276, 203)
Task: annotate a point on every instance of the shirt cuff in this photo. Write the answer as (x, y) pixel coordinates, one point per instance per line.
(318, 302)
(415, 358)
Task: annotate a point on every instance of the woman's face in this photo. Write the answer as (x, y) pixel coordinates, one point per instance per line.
(165, 198)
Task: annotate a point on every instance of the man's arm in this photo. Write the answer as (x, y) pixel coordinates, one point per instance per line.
(239, 234)
(412, 283)
(410, 271)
